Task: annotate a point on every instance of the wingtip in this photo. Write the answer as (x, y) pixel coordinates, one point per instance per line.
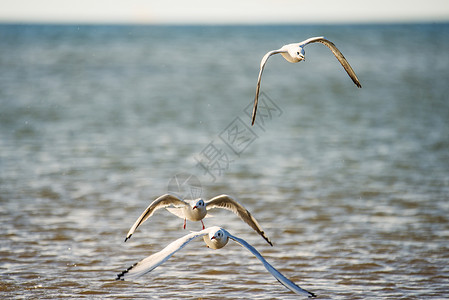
(253, 117)
(256, 100)
(266, 238)
(312, 295)
(128, 237)
(121, 275)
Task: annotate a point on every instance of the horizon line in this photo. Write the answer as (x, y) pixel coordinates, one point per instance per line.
(284, 23)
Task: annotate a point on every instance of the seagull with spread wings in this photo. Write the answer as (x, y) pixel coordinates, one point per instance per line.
(197, 210)
(215, 238)
(295, 53)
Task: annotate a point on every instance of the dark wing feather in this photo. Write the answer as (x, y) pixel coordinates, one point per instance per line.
(262, 66)
(338, 55)
(226, 202)
(153, 261)
(161, 202)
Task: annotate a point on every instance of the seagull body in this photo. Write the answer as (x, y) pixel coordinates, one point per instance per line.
(215, 238)
(295, 53)
(197, 210)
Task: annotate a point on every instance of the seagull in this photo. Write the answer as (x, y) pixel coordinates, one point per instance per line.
(295, 53)
(197, 210)
(215, 238)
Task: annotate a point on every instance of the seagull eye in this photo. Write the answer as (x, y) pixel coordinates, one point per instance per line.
(297, 53)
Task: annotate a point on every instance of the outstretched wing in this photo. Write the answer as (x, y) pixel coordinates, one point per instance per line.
(226, 202)
(337, 54)
(153, 261)
(262, 66)
(161, 202)
(278, 275)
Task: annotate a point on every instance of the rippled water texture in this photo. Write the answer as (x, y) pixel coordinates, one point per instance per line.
(350, 184)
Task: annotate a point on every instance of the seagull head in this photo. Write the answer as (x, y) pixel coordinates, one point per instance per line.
(300, 54)
(217, 239)
(199, 204)
(294, 52)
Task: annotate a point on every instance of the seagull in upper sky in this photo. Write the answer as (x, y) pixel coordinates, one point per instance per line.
(215, 238)
(197, 210)
(295, 53)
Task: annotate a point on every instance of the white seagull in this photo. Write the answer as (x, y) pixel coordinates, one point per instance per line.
(215, 238)
(295, 53)
(197, 210)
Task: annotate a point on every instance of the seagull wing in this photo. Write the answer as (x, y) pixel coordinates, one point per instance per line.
(278, 275)
(262, 66)
(226, 202)
(337, 54)
(161, 202)
(153, 261)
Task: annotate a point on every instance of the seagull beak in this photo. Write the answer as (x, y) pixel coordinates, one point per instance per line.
(212, 238)
(195, 207)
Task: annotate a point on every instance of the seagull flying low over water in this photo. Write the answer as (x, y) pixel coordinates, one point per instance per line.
(295, 53)
(215, 238)
(197, 210)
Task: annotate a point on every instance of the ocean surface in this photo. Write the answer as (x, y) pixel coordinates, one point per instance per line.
(351, 185)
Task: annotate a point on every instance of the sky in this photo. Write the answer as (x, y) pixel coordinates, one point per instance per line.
(222, 12)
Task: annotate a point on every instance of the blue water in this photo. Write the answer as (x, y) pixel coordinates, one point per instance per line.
(350, 184)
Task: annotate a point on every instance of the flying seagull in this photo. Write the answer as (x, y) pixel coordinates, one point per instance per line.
(215, 238)
(197, 210)
(295, 53)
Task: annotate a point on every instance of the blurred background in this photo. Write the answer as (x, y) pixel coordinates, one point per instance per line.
(105, 106)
